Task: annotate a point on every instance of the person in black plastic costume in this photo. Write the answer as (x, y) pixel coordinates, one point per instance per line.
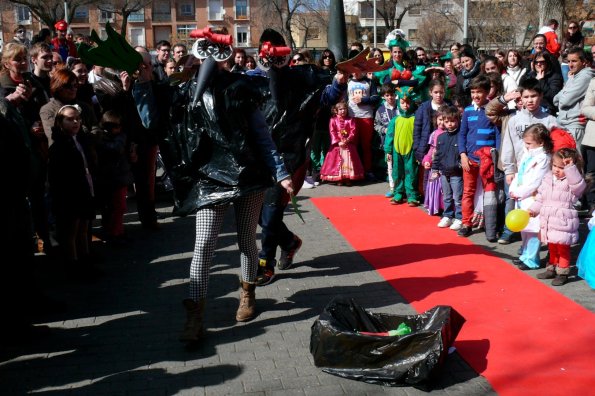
(219, 152)
(298, 94)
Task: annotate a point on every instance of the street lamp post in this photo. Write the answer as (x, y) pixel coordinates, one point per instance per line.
(66, 12)
(375, 44)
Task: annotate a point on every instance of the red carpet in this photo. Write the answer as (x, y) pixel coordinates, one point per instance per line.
(521, 335)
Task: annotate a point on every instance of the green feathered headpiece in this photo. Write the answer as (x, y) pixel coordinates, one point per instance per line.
(113, 52)
(396, 38)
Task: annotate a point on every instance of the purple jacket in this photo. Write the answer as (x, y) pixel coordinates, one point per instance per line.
(554, 203)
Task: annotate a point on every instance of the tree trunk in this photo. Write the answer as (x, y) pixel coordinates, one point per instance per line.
(125, 15)
(549, 9)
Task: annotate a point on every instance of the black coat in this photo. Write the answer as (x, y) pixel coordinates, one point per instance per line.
(69, 188)
(211, 152)
(296, 99)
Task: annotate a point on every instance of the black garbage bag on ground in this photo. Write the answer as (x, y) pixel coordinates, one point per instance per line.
(410, 360)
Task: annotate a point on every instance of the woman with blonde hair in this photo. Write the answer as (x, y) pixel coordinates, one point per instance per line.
(14, 64)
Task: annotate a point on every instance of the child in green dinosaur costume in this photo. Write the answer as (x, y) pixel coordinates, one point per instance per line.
(398, 148)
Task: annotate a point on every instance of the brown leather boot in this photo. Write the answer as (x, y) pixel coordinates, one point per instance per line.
(247, 308)
(561, 276)
(193, 329)
(550, 273)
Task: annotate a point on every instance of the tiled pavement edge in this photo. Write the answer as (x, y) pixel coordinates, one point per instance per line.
(118, 336)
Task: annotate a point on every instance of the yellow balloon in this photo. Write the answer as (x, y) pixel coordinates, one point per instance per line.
(517, 220)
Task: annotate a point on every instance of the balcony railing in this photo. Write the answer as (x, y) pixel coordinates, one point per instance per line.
(138, 16)
(161, 16)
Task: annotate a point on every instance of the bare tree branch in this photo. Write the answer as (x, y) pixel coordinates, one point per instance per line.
(124, 8)
(51, 11)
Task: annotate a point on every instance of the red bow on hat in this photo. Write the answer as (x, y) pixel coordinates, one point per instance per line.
(61, 25)
(562, 139)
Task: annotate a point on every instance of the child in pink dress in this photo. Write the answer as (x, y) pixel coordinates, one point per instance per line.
(342, 163)
(433, 196)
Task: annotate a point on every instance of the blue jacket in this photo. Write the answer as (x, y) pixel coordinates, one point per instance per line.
(422, 129)
(477, 131)
(446, 157)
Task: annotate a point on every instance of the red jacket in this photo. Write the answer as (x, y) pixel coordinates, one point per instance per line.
(70, 44)
(552, 43)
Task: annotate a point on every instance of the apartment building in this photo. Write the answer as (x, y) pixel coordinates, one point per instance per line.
(170, 20)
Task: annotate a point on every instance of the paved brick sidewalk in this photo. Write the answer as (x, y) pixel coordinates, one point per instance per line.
(119, 335)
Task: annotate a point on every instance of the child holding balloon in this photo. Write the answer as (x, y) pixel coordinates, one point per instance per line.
(560, 190)
(533, 166)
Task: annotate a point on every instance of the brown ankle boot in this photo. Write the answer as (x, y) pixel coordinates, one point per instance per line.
(193, 329)
(247, 308)
(550, 273)
(561, 276)
(560, 280)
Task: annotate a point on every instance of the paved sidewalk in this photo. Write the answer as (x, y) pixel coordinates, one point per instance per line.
(119, 335)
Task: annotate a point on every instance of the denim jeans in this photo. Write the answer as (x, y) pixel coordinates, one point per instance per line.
(274, 231)
(452, 193)
(508, 206)
(588, 154)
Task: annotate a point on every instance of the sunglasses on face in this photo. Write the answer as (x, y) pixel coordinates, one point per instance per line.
(327, 57)
(541, 62)
(573, 27)
(298, 59)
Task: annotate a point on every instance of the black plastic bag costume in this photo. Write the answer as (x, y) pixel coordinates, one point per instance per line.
(296, 98)
(211, 156)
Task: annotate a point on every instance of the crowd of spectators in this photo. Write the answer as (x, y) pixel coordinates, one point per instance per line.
(78, 147)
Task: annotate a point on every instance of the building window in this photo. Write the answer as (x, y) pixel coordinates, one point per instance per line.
(415, 11)
(187, 9)
(367, 10)
(215, 10)
(184, 30)
(313, 33)
(412, 34)
(162, 33)
(241, 9)
(137, 36)
(242, 38)
(81, 12)
(106, 16)
(161, 11)
(23, 15)
(137, 16)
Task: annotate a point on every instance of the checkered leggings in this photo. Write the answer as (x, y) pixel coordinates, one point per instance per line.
(208, 225)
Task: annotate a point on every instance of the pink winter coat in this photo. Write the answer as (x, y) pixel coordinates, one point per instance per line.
(554, 203)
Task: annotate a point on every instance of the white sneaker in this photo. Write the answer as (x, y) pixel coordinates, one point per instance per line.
(445, 222)
(307, 185)
(456, 225)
